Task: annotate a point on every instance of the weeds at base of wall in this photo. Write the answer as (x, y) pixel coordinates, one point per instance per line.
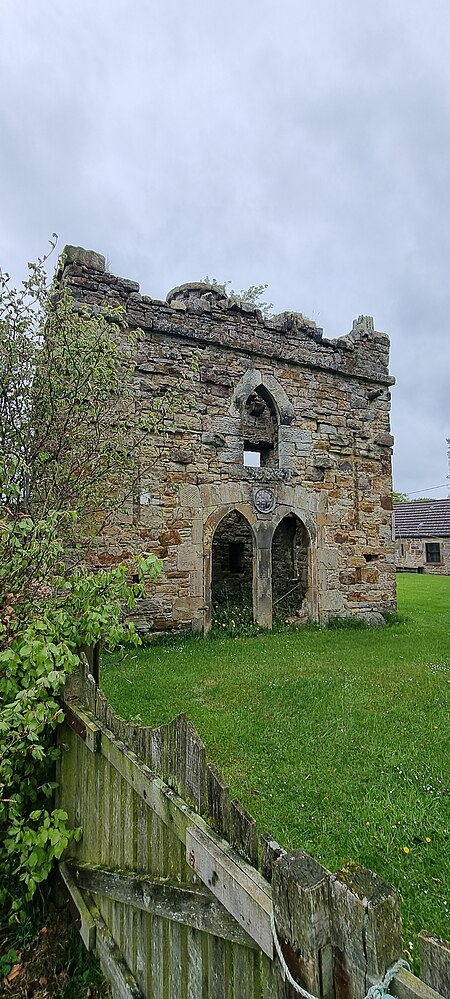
(232, 617)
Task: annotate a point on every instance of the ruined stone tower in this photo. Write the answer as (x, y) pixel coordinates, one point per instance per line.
(277, 483)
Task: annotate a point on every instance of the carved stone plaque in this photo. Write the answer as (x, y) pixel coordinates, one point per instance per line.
(264, 500)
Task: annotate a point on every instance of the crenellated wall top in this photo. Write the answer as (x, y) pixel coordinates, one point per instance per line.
(205, 314)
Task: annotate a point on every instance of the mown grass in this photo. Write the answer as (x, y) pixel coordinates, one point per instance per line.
(337, 741)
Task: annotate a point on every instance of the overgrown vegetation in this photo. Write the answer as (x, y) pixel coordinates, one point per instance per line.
(337, 741)
(252, 296)
(66, 441)
(44, 957)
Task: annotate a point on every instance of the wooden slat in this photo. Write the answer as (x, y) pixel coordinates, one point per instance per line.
(85, 921)
(270, 852)
(83, 724)
(241, 889)
(302, 917)
(244, 834)
(114, 967)
(366, 928)
(219, 805)
(190, 904)
(407, 986)
(197, 968)
(435, 962)
(195, 780)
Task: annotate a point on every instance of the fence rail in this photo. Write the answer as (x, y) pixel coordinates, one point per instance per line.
(166, 887)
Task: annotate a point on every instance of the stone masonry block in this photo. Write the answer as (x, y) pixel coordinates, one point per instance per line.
(189, 557)
(190, 496)
(329, 558)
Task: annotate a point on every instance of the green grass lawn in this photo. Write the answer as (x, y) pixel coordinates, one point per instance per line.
(337, 741)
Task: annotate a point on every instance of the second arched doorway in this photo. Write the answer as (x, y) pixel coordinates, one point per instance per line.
(290, 568)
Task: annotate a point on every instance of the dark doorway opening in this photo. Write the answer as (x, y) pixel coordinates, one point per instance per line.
(232, 565)
(289, 567)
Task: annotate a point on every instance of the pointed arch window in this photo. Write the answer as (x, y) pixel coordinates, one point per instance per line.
(260, 430)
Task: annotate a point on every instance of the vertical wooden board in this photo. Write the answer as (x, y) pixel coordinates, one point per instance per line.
(216, 969)
(129, 943)
(178, 867)
(229, 972)
(104, 811)
(165, 735)
(100, 705)
(270, 852)
(129, 938)
(93, 817)
(271, 982)
(129, 802)
(179, 758)
(118, 822)
(157, 958)
(435, 962)
(145, 746)
(195, 779)
(197, 975)
(244, 834)
(144, 954)
(176, 969)
(157, 750)
(246, 975)
(366, 926)
(302, 915)
(219, 804)
(142, 818)
(155, 846)
(69, 773)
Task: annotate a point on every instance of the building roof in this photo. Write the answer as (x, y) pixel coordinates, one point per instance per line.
(422, 519)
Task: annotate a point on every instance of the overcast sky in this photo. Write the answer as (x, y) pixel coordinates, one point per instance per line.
(306, 145)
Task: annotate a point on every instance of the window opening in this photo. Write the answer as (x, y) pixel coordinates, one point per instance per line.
(433, 551)
(252, 458)
(257, 455)
(260, 431)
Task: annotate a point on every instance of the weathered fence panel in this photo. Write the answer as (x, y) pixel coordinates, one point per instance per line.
(166, 886)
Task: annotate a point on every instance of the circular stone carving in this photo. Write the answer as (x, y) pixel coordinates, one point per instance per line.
(264, 500)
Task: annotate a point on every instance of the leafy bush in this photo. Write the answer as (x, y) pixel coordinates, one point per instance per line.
(41, 627)
(68, 440)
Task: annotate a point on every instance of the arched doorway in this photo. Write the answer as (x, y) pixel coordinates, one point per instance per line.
(232, 565)
(290, 572)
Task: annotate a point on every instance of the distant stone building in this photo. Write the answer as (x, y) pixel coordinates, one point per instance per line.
(422, 536)
(277, 484)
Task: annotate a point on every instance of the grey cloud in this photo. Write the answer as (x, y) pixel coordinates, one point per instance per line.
(305, 145)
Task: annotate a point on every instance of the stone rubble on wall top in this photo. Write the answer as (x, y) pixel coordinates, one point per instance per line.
(198, 297)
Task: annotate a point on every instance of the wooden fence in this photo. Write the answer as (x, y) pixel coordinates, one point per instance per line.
(166, 889)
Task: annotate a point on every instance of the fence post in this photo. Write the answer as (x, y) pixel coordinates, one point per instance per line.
(301, 909)
(435, 962)
(367, 930)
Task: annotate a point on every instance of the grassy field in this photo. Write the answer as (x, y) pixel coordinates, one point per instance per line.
(337, 741)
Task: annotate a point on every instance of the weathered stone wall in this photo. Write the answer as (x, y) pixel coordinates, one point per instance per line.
(410, 555)
(331, 400)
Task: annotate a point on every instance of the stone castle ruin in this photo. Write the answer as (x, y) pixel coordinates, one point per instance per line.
(277, 483)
